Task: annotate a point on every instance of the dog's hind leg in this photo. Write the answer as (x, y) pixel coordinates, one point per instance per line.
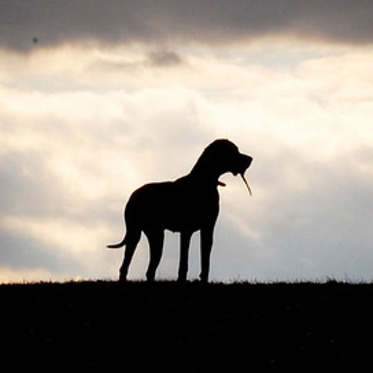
(155, 239)
(132, 239)
(184, 253)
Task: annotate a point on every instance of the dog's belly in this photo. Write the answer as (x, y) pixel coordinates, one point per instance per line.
(186, 215)
(187, 220)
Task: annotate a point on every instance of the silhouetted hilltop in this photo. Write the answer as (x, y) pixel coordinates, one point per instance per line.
(186, 328)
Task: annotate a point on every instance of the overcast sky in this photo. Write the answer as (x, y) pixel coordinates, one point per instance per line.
(98, 98)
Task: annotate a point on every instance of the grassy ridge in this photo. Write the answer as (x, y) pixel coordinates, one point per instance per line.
(189, 328)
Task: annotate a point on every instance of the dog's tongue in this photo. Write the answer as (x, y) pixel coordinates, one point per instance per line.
(246, 183)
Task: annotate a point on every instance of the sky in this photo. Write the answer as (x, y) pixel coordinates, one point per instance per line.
(98, 98)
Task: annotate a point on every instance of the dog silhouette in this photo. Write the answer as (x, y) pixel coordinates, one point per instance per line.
(186, 205)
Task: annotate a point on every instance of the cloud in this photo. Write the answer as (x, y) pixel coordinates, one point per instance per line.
(163, 58)
(166, 22)
(71, 154)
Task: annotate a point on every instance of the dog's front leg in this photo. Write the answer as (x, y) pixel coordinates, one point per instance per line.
(206, 245)
(184, 253)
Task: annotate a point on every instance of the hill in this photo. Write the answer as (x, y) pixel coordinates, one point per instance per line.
(186, 328)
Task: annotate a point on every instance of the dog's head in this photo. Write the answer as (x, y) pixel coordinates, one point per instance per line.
(226, 156)
(223, 156)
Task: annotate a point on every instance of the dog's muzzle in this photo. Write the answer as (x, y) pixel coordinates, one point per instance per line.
(244, 163)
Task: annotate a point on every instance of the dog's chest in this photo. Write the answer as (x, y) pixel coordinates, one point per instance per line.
(191, 207)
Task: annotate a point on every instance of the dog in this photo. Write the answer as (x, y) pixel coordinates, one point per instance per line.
(186, 205)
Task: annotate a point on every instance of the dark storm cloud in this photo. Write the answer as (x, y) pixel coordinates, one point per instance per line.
(164, 58)
(25, 25)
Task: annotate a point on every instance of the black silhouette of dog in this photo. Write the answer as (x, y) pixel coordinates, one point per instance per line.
(186, 205)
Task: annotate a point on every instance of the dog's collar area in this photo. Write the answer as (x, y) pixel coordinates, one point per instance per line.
(220, 183)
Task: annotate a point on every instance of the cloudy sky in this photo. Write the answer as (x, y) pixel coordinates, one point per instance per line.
(98, 98)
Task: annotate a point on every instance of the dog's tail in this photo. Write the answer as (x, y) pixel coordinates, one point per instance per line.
(117, 245)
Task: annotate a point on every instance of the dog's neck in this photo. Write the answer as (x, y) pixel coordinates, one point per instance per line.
(206, 174)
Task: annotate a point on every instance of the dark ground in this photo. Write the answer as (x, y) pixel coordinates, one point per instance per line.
(191, 328)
